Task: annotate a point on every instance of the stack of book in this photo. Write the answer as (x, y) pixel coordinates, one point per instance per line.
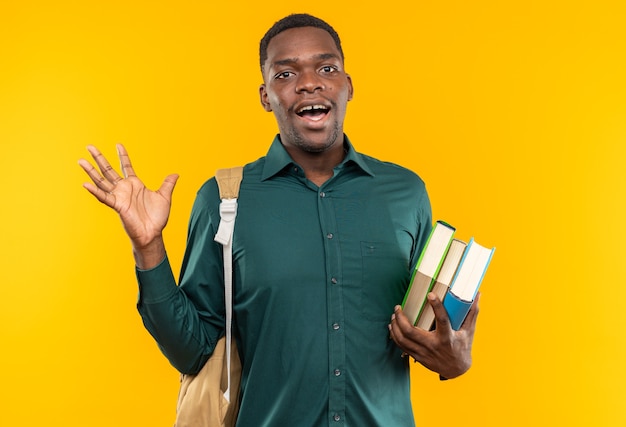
(453, 270)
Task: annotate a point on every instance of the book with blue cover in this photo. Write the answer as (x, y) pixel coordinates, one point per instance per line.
(466, 282)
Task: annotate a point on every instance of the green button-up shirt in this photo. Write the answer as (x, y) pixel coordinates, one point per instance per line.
(317, 272)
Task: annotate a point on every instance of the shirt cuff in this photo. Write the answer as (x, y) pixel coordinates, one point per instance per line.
(156, 284)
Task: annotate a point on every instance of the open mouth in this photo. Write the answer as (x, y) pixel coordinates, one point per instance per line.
(313, 112)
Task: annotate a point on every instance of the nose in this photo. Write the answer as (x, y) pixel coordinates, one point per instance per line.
(310, 82)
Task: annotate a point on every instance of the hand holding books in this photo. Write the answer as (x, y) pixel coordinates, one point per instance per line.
(444, 291)
(444, 350)
(450, 268)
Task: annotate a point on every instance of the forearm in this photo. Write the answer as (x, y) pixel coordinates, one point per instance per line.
(172, 319)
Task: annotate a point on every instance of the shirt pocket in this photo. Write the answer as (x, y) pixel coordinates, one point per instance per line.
(385, 274)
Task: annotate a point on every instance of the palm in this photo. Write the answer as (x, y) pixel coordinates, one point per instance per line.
(144, 213)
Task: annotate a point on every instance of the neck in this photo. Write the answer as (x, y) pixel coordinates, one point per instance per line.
(318, 167)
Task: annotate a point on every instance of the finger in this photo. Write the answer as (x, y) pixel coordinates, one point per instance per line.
(392, 331)
(125, 164)
(105, 167)
(95, 176)
(103, 196)
(167, 187)
(408, 337)
(472, 314)
(442, 320)
(403, 328)
(402, 321)
(395, 331)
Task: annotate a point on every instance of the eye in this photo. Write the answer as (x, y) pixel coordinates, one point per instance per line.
(283, 75)
(327, 69)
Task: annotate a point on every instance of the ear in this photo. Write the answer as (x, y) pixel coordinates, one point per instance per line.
(264, 98)
(350, 87)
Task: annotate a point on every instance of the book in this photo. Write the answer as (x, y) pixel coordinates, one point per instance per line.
(466, 281)
(428, 264)
(442, 282)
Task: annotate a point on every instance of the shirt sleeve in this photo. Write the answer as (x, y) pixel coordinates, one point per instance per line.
(424, 224)
(186, 327)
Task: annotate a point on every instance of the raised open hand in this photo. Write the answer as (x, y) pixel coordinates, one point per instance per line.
(144, 213)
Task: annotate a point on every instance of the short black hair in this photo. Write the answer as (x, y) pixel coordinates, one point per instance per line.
(296, 20)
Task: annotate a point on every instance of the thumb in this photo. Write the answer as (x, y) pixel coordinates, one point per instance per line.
(167, 187)
(441, 315)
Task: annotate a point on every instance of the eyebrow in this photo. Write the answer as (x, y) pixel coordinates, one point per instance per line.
(318, 57)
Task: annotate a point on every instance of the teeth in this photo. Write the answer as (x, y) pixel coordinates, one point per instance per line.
(311, 108)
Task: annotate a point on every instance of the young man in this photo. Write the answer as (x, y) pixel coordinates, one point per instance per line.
(325, 242)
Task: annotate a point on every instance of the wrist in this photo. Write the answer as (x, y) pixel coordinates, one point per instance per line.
(149, 255)
(455, 371)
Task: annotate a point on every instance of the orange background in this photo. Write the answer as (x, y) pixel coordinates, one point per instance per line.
(514, 113)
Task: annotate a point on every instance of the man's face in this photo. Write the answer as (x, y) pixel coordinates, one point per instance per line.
(307, 88)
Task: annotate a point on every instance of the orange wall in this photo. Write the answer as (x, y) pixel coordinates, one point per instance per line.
(513, 112)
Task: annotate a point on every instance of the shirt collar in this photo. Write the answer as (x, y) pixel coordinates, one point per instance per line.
(278, 159)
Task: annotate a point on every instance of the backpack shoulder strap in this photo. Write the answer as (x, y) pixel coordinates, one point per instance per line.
(228, 181)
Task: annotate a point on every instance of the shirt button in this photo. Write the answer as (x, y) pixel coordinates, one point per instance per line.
(333, 281)
(322, 194)
(337, 372)
(336, 326)
(329, 235)
(336, 417)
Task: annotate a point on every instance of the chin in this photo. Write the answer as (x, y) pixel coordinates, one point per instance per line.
(318, 143)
